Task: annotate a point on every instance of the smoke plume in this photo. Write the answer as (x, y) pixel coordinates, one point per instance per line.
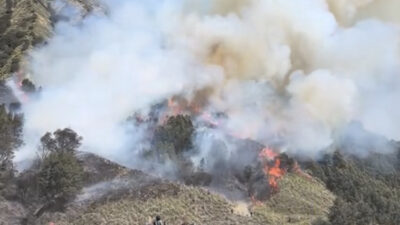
(297, 74)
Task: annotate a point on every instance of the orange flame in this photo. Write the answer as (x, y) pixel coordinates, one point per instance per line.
(174, 107)
(296, 169)
(205, 116)
(274, 172)
(268, 153)
(177, 106)
(255, 202)
(20, 93)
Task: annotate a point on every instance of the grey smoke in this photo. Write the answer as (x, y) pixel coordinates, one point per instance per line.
(294, 74)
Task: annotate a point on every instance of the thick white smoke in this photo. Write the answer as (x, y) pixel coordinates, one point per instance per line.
(98, 73)
(293, 72)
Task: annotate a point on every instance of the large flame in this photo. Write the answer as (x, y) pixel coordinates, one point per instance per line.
(269, 158)
(179, 106)
(271, 167)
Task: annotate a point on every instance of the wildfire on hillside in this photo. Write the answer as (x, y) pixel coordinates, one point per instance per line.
(260, 167)
(271, 167)
(21, 87)
(179, 106)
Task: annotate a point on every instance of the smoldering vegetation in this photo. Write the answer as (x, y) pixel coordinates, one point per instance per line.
(195, 92)
(279, 77)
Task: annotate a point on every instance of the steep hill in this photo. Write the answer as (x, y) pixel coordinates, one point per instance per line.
(342, 190)
(300, 201)
(23, 24)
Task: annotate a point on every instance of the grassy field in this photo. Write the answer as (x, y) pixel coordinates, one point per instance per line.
(299, 201)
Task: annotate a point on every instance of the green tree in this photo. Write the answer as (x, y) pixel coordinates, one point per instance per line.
(60, 174)
(65, 140)
(364, 196)
(177, 131)
(10, 139)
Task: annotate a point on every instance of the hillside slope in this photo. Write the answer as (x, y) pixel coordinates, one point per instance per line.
(343, 190)
(23, 24)
(300, 201)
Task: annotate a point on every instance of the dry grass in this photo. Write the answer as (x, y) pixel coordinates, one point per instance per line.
(24, 23)
(299, 201)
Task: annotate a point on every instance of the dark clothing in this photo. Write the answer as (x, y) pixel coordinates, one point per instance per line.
(159, 222)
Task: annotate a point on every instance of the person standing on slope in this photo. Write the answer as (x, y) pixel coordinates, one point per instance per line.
(158, 221)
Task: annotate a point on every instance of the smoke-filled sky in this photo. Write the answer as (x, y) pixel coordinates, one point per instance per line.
(301, 73)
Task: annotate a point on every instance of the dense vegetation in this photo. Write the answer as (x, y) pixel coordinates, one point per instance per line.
(10, 138)
(177, 131)
(55, 177)
(60, 174)
(364, 195)
(23, 24)
(172, 138)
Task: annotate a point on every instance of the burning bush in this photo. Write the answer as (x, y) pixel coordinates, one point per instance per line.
(262, 178)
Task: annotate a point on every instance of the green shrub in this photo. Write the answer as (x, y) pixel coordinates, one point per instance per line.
(364, 196)
(65, 140)
(10, 139)
(177, 131)
(60, 174)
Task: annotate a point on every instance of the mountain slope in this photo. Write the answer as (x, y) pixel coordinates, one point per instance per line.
(23, 24)
(300, 201)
